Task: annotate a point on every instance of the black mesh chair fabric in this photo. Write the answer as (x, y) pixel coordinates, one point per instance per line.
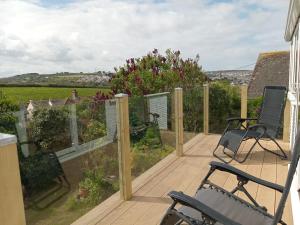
(229, 206)
(272, 109)
(232, 139)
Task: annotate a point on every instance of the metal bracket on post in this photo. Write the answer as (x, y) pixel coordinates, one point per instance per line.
(179, 121)
(124, 146)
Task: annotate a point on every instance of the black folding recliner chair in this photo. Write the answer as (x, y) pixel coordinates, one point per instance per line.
(267, 126)
(213, 205)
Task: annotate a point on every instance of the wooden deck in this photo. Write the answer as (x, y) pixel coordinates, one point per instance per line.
(150, 199)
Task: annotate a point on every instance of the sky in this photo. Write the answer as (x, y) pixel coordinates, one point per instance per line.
(48, 36)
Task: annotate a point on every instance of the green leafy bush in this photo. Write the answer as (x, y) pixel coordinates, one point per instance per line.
(97, 186)
(224, 102)
(94, 130)
(50, 128)
(193, 109)
(254, 107)
(90, 120)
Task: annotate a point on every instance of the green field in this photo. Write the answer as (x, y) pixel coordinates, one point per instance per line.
(24, 94)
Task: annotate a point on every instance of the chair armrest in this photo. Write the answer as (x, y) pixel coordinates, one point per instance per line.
(239, 173)
(188, 201)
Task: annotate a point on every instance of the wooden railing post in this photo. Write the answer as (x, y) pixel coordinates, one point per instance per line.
(206, 109)
(11, 199)
(179, 121)
(124, 146)
(287, 121)
(244, 101)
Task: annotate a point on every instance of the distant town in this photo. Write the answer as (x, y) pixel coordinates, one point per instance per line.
(101, 78)
(233, 76)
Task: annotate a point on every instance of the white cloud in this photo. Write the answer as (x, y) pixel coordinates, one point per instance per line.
(89, 35)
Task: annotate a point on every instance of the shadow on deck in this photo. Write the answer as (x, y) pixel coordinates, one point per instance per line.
(150, 190)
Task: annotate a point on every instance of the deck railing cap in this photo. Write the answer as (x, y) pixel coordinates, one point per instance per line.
(7, 139)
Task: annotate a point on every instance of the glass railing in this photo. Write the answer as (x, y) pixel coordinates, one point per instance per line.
(68, 158)
(224, 102)
(151, 132)
(192, 112)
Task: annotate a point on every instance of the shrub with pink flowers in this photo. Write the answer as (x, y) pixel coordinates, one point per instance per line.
(155, 73)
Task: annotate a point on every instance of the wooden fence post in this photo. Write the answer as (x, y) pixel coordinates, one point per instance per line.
(287, 121)
(179, 121)
(11, 199)
(206, 109)
(124, 146)
(244, 101)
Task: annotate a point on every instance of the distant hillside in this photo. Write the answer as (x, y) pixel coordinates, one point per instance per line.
(100, 78)
(233, 76)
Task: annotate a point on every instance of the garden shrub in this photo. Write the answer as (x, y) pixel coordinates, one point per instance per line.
(97, 186)
(224, 102)
(193, 109)
(50, 128)
(254, 107)
(90, 120)
(94, 130)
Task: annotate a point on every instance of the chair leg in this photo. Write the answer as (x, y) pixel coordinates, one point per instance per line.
(234, 157)
(283, 156)
(248, 153)
(218, 157)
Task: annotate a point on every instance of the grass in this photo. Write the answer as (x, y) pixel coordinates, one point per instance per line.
(24, 94)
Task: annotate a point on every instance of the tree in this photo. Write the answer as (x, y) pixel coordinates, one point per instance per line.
(157, 73)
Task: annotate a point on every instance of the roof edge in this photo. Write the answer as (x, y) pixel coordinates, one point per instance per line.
(292, 19)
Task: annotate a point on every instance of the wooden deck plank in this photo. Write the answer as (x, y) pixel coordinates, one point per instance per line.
(150, 199)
